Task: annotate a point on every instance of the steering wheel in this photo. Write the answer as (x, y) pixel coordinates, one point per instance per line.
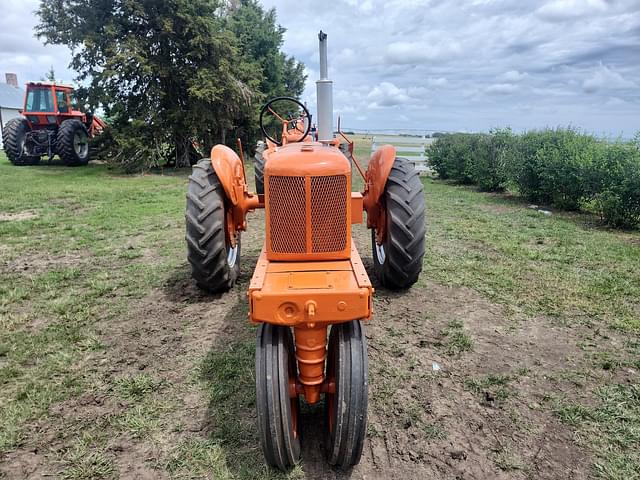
(293, 117)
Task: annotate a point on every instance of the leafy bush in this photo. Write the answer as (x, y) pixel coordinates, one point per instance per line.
(487, 165)
(560, 167)
(449, 156)
(473, 158)
(613, 185)
(548, 166)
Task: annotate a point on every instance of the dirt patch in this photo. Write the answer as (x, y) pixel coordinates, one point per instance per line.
(631, 238)
(18, 216)
(425, 419)
(27, 464)
(69, 204)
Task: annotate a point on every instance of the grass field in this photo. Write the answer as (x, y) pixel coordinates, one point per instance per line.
(112, 364)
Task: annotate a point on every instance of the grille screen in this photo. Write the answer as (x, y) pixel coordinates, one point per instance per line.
(287, 214)
(329, 213)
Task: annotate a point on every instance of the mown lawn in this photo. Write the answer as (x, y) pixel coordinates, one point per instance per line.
(80, 246)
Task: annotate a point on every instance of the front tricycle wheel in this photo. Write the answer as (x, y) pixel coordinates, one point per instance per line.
(276, 400)
(346, 406)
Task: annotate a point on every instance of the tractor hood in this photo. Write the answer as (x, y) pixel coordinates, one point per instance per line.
(306, 159)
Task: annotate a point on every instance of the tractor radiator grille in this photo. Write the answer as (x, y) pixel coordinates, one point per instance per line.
(329, 213)
(287, 214)
(287, 197)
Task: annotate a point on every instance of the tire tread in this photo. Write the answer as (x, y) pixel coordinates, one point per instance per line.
(205, 234)
(405, 242)
(64, 143)
(11, 133)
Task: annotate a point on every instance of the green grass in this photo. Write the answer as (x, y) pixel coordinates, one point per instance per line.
(198, 459)
(492, 386)
(611, 428)
(87, 459)
(137, 386)
(558, 266)
(68, 268)
(456, 340)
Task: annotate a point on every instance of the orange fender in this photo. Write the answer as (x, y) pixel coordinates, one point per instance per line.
(230, 171)
(377, 174)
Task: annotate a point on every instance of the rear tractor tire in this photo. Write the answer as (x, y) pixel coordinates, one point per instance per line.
(277, 409)
(215, 265)
(72, 143)
(258, 166)
(346, 408)
(13, 138)
(398, 260)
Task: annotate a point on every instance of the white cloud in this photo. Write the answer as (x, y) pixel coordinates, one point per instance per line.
(386, 94)
(501, 89)
(21, 52)
(604, 77)
(443, 65)
(437, 82)
(419, 52)
(615, 101)
(512, 76)
(560, 10)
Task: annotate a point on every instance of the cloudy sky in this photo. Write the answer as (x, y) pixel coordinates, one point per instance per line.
(437, 65)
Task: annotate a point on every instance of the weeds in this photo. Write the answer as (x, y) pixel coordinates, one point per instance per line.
(137, 386)
(495, 386)
(457, 340)
(611, 428)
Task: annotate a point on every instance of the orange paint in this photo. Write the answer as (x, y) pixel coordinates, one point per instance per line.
(309, 274)
(356, 207)
(377, 174)
(308, 202)
(311, 340)
(230, 171)
(59, 112)
(280, 292)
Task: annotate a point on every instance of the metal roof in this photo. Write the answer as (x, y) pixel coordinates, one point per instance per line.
(11, 97)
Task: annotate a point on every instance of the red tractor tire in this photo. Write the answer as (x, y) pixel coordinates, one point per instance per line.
(13, 137)
(72, 143)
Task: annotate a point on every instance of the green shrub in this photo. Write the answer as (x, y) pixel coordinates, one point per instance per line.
(613, 185)
(548, 166)
(560, 167)
(489, 158)
(449, 156)
(473, 158)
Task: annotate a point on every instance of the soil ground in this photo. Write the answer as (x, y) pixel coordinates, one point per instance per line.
(515, 356)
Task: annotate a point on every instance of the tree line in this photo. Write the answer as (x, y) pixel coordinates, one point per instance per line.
(173, 77)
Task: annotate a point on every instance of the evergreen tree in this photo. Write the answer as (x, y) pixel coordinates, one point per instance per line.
(260, 39)
(173, 76)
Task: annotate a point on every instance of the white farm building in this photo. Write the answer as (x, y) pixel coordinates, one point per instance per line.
(11, 101)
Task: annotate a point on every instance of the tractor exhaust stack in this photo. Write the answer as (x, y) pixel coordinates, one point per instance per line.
(324, 89)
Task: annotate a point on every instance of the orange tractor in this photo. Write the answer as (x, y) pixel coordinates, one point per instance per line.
(309, 282)
(50, 125)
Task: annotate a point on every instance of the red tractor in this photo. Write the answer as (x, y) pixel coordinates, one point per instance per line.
(50, 125)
